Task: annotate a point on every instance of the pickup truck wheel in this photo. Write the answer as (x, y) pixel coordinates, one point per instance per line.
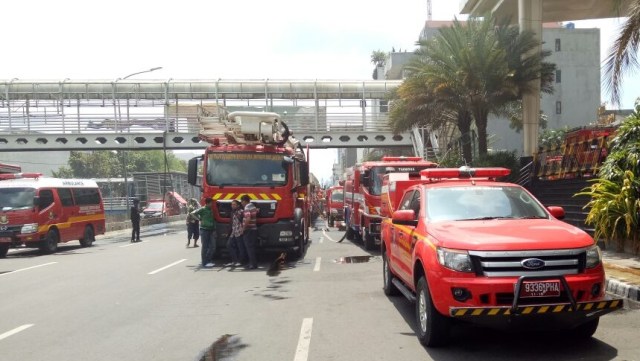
(585, 330)
(387, 277)
(50, 243)
(433, 328)
(88, 238)
(4, 249)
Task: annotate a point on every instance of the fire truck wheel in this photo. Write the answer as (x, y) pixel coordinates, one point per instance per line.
(387, 277)
(368, 240)
(88, 238)
(4, 249)
(586, 330)
(330, 221)
(433, 328)
(50, 243)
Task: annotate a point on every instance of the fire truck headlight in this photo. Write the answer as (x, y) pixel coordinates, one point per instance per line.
(286, 233)
(455, 259)
(594, 257)
(29, 228)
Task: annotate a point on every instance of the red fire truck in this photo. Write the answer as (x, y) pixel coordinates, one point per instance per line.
(254, 153)
(362, 188)
(37, 211)
(466, 247)
(335, 206)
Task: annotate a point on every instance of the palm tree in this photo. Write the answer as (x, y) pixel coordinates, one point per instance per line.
(473, 69)
(623, 54)
(378, 57)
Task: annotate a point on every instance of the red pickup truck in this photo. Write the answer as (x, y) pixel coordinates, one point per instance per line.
(464, 246)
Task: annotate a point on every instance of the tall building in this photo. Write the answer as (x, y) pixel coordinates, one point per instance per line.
(576, 98)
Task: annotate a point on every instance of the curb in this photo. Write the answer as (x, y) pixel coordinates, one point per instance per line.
(621, 289)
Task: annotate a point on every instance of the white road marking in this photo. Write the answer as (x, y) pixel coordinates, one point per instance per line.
(131, 244)
(28, 268)
(165, 267)
(14, 331)
(316, 268)
(331, 239)
(321, 239)
(302, 352)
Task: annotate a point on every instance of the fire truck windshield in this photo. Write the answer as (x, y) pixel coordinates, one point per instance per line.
(246, 169)
(16, 198)
(337, 196)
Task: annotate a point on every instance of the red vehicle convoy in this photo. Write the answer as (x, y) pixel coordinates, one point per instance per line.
(335, 206)
(466, 247)
(362, 188)
(253, 153)
(37, 211)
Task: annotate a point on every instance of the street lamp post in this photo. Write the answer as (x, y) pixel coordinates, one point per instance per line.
(124, 157)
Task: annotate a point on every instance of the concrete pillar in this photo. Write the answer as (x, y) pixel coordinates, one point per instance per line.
(530, 19)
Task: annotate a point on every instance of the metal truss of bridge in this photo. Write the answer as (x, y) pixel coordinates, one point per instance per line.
(151, 114)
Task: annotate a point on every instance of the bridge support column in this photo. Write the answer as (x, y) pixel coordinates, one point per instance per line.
(530, 19)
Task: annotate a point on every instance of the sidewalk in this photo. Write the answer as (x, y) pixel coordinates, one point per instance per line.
(623, 274)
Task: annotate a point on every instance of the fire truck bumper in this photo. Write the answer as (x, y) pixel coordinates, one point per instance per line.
(277, 236)
(534, 317)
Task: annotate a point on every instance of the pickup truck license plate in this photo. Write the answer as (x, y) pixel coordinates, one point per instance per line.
(540, 289)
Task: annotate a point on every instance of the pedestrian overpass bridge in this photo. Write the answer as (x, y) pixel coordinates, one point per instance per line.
(153, 114)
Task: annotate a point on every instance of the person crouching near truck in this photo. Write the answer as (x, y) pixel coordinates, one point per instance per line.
(207, 232)
(250, 230)
(193, 225)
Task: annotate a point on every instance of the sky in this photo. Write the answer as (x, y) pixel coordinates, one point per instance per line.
(204, 39)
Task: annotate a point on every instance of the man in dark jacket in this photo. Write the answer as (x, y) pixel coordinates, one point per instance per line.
(135, 221)
(207, 232)
(250, 230)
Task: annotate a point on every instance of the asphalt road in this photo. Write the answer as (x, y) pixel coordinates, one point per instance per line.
(151, 301)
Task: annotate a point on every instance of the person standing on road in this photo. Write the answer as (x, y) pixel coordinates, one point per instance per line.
(250, 230)
(193, 225)
(135, 221)
(207, 232)
(235, 244)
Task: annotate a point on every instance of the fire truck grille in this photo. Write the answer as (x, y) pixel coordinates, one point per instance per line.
(528, 263)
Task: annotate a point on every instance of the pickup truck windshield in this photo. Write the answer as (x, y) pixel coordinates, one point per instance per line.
(481, 203)
(16, 198)
(246, 169)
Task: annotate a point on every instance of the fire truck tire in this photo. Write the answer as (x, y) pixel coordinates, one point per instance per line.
(433, 328)
(330, 221)
(387, 277)
(50, 243)
(88, 238)
(368, 240)
(586, 330)
(4, 249)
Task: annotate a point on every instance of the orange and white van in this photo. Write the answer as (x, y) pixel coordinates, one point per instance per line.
(40, 212)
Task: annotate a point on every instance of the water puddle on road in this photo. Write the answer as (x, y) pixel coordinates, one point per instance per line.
(353, 259)
(224, 348)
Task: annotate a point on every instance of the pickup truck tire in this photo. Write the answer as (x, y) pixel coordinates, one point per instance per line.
(50, 243)
(585, 330)
(88, 237)
(433, 328)
(4, 249)
(387, 277)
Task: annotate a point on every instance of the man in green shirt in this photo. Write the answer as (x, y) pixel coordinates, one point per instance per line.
(207, 232)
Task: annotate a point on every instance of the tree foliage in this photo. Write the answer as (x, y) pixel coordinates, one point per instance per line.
(106, 164)
(468, 71)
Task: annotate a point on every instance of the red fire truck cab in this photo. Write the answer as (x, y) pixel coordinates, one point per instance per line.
(362, 189)
(254, 153)
(335, 206)
(466, 247)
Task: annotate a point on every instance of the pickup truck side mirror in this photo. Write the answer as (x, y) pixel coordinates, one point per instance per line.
(557, 212)
(405, 217)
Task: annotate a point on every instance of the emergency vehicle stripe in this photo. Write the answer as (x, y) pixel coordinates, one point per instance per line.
(71, 221)
(276, 196)
(229, 196)
(528, 310)
(421, 237)
(216, 196)
(254, 196)
(264, 196)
